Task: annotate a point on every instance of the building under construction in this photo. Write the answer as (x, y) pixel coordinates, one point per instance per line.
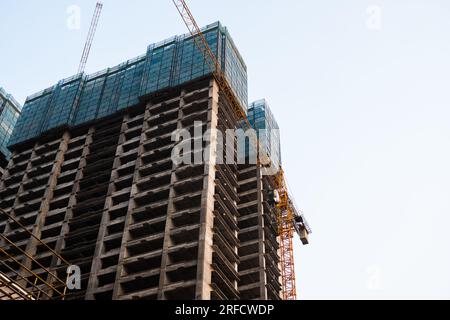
(91, 183)
(9, 113)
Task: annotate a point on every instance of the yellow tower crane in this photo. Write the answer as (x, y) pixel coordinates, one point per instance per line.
(289, 219)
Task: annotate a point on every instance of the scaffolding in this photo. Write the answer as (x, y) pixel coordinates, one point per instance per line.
(18, 281)
(168, 64)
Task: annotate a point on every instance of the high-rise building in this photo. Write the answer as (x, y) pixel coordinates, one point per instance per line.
(9, 113)
(263, 121)
(92, 176)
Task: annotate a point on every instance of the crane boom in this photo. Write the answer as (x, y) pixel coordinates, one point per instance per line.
(90, 37)
(286, 216)
(203, 46)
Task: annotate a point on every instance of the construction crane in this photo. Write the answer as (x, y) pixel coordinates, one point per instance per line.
(210, 57)
(90, 37)
(289, 219)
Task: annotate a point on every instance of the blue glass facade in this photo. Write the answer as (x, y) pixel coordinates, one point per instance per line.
(9, 113)
(170, 63)
(261, 118)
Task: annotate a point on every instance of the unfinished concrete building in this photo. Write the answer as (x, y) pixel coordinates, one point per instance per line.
(9, 113)
(92, 177)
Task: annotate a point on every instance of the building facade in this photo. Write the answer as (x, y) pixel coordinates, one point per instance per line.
(9, 113)
(91, 176)
(263, 121)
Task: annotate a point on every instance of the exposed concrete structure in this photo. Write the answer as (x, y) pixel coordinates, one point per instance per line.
(92, 183)
(107, 197)
(258, 250)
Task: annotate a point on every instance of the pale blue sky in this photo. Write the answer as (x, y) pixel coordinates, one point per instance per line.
(364, 116)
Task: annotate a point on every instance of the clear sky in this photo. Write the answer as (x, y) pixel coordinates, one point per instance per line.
(361, 92)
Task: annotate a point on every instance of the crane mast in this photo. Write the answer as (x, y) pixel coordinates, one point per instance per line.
(90, 37)
(286, 229)
(286, 218)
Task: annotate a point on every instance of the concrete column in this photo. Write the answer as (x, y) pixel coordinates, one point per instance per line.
(261, 236)
(48, 196)
(131, 206)
(20, 190)
(170, 211)
(205, 250)
(96, 261)
(72, 200)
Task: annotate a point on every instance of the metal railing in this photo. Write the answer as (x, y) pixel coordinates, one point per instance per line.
(19, 281)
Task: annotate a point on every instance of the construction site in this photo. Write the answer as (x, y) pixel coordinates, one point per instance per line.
(89, 181)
